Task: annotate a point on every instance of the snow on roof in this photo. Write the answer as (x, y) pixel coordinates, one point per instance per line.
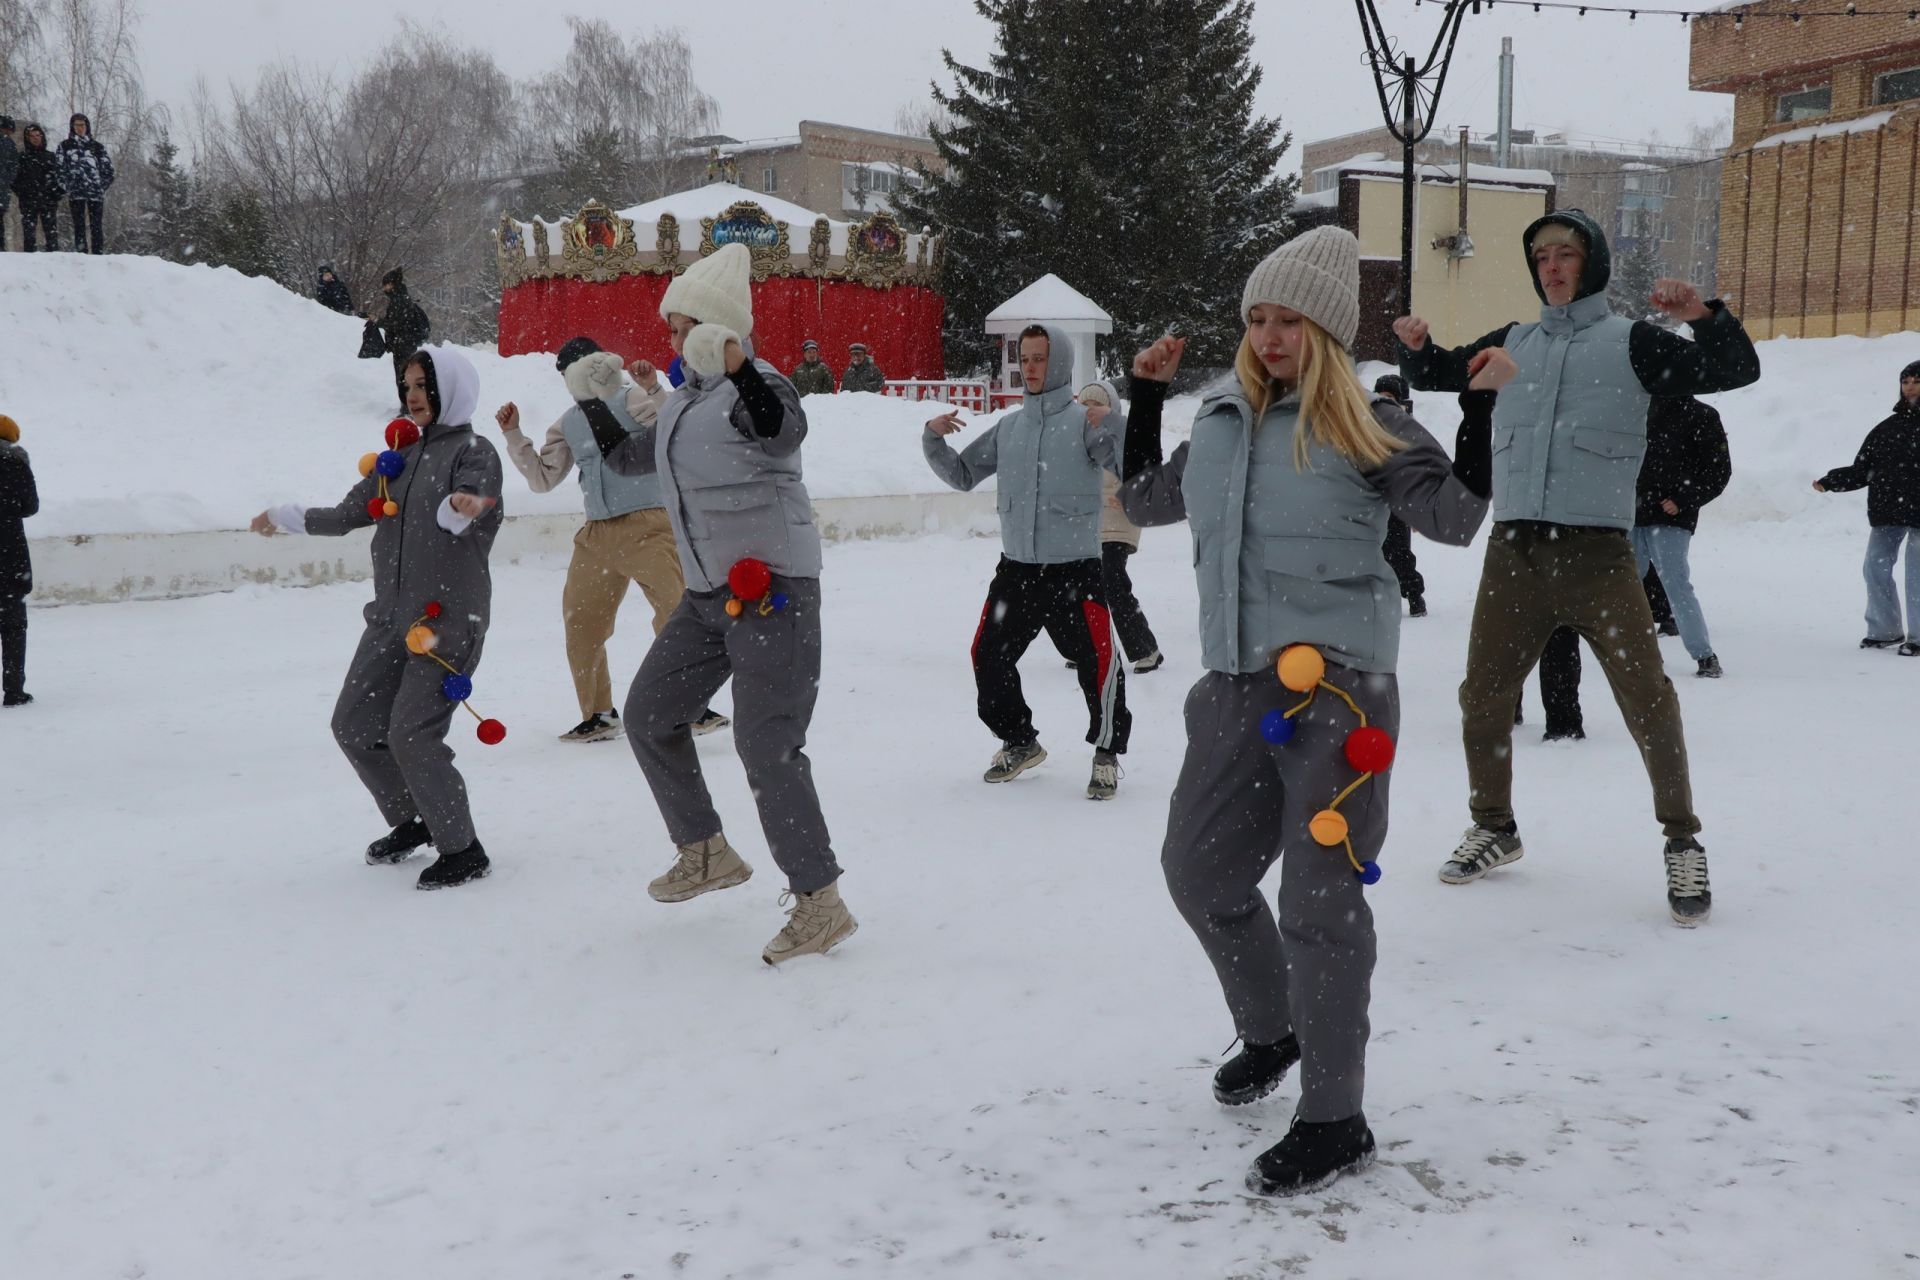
(1318, 200)
(711, 201)
(1449, 172)
(1865, 124)
(1049, 298)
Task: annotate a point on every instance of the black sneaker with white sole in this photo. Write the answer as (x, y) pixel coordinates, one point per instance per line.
(398, 844)
(1709, 668)
(1311, 1156)
(450, 869)
(598, 727)
(1911, 649)
(1010, 761)
(1480, 851)
(1689, 898)
(710, 721)
(1254, 1072)
(1873, 642)
(1105, 780)
(1152, 662)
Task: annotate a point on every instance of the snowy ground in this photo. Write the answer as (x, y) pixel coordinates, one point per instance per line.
(231, 1049)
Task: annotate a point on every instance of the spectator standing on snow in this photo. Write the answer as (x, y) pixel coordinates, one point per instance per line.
(392, 715)
(1687, 466)
(812, 377)
(18, 500)
(627, 537)
(1888, 468)
(862, 373)
(1399, 543)
(405, 327)
(1049, 457)
(86, 171)
(1569, 434)
(727, 452)
(331, 292)
(1286, 484)
(37, 182)
(9, 165)
(1119, 539)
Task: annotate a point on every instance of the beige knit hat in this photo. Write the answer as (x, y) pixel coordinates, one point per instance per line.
(715, 290)
(1316, 274)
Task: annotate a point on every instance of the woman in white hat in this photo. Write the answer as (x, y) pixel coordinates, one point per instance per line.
(727, 450)
(1287, 484)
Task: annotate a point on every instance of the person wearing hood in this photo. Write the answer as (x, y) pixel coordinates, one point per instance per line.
(18, 500)
(9, 165)
(1286, 484)
(726, 449)
(86, 171)
(1049, 457)
(627, 536)
(1569, 435)
(1888, 468)
(38, 183)
(862, 373)
(1119, 538)
(331, 292)
(812, 377)
(429, 563)
(404, 328)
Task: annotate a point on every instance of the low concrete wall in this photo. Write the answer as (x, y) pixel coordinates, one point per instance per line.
(98, 568)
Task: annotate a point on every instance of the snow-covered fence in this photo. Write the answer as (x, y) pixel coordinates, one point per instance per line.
(976, 394)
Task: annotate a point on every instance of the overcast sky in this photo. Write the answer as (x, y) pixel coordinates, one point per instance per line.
(856, 63)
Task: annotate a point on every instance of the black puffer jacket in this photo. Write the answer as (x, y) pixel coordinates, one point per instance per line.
(37, 181)
(1888, 468)
(1687, 461)
(18, 500)
(405, 326)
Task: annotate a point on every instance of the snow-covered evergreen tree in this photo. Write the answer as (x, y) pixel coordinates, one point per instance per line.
(1636, 268)
(168, 215)
(1133, 168)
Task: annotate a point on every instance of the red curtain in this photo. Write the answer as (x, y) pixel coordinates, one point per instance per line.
(901, 326)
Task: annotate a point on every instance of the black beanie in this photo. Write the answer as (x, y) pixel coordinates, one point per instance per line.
(1392, 384)
(574, 349)
(394, 278)
(1911, 371)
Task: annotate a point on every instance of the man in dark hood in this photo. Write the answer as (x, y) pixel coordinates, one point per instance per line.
(331, 292)
(405, 328)
(37, 183)
(9, 162)
(86, 171)
(1569, 434)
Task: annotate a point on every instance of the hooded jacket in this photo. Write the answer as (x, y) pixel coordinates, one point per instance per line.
(86, 170)
(1114, 525)
(9, 164)
(1569, 432)
(1888, 468)
(18, 500)
(1049, 460)
(405, 327)
(332, 294)
(37, 179)
(415, 558)
(1687, 462)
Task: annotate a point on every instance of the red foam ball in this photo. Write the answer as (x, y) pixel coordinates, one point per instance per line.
(491, 732)
(376, 507)
(1370, 750)
(401, 433)
(749, 578)
(433, 609)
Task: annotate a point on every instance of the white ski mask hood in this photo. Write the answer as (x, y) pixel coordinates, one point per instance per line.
(458, 385)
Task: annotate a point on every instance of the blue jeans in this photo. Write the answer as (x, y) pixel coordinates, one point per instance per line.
(1883, 600)
(1666, 547)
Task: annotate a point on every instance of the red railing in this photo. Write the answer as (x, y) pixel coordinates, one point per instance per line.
(962, 393)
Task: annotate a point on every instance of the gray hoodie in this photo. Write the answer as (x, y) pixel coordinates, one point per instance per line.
(1049, 460)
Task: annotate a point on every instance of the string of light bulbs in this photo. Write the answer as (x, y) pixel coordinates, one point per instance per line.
(1739, 17)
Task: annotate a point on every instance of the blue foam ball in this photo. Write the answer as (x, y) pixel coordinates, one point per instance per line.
(1275, 727)
(390, 463)
(779, 601)
(1369, 873)
(456, 688)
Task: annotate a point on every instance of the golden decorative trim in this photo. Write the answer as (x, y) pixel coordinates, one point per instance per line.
(509, 246)
(877, 252)
(820, 247)
(597, 244)
(667, 245)
(765, 237)
(542, 255)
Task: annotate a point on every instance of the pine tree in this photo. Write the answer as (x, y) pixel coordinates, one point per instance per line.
(1135, 170)
(1636, 268)
(594, 166)
(167, 210)
(240, 234)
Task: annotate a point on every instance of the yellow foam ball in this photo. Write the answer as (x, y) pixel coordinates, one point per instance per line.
(735, 608)
(421, 639)
(1328, 827)
(1301, 667)
(392, 508)
(366, 463)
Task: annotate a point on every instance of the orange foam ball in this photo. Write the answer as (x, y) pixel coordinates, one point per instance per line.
(1301, 667)
(391, 509)
(735, 608)
(1328, 827)
(421, 640)
(366, 463)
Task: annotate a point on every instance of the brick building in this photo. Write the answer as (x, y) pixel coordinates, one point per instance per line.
(1817, 227)
(835, 169)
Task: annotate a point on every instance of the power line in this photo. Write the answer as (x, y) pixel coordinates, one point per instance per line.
(1739, 16)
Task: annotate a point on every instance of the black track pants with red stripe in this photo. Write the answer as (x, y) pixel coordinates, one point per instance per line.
(1068, 602)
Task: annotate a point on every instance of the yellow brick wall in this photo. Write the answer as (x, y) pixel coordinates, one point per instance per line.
(1763, 223)
(1895, 220)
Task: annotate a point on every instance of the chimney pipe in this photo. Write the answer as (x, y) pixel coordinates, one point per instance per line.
(1503, 147)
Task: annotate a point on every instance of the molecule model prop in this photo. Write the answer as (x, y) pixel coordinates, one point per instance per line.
(456, 685)
(751, 582)
(388, 464)
(1368, 749)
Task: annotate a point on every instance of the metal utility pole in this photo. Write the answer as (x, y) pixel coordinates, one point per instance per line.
(1417, 86)
(1505, 150)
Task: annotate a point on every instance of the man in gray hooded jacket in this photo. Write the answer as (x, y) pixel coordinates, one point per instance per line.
(1049, 459)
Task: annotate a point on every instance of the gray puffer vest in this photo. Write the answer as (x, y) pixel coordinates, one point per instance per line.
(606, 491)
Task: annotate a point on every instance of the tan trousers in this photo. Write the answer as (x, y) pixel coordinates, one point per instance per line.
(607, 555)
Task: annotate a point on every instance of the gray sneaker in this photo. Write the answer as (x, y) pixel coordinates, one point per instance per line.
(1009, 762)
(1689, 896)
(1481, 850)
(1106, 776)
(816, 924)
(702, 867)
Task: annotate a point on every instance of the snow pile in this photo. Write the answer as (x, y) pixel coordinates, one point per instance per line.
(158, 398)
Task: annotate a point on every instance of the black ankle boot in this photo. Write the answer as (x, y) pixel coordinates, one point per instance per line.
(1312, 1156)
(1254, 1072)
(398, 845)
(450, 869)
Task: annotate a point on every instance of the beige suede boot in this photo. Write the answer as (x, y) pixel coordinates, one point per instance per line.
(702, 867)
(817, 923)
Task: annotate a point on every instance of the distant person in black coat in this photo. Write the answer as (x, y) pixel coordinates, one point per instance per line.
(9, 162)
(1888, 467)
(1687, 466)
(404, 329)
(18, 500)
(331, 292)
(37, 183)
(86, 171)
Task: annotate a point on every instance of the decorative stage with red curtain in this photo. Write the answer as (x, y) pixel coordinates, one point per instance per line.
(851, 282)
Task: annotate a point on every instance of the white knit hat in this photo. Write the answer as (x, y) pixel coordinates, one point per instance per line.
(1316, 274)
(715, 290)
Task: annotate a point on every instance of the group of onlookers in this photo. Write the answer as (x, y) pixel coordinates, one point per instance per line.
(78, 171)
(812, 376)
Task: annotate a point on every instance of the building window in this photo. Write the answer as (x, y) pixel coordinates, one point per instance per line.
(1896, 86)
(1808, 104)
(769, 180)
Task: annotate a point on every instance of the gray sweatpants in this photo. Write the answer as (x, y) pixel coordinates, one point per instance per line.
(775, 665)
(392, 720)
(1240, 804)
